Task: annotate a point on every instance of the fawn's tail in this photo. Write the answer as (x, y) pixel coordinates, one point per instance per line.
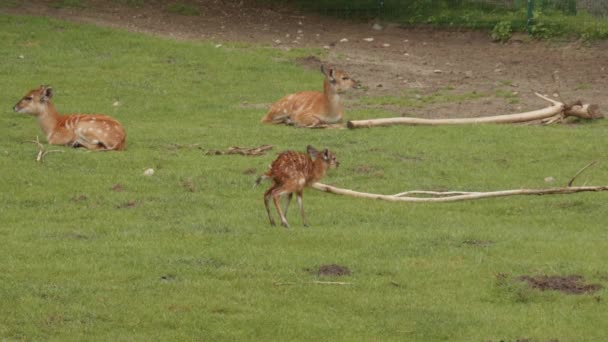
(260, 179)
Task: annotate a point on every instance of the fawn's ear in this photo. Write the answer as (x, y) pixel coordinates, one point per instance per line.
(331, 75)
(328, 73)
(46, 93)
(312, 152)
(325, 154)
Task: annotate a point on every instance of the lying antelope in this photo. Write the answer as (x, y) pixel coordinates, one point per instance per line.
(292, 172)
(313, 108)
(92, 131)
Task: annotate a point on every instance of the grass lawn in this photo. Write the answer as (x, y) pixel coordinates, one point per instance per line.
(94, 250)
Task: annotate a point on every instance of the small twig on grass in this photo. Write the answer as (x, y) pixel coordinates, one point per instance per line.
(581, 171)
(245, 151)
(317, 282)
(284, 283)
(331, 282)
(42, 151)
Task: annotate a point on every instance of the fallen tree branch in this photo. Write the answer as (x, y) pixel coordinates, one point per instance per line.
(314, 282)
(42, 152)
(555, 110)
(455, 196)
(581, 171)
(245, 151)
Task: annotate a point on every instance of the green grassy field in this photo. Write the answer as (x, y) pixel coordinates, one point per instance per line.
(188, 254)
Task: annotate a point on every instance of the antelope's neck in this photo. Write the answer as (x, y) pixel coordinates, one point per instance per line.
(318, 170)
(332, 100)
(48, 119)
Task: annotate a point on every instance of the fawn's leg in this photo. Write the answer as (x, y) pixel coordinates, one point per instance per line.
(301, 205)
(276, 195)
(267, 195)
(289, 196)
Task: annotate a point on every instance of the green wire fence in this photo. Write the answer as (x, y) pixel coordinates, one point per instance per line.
(543, 18)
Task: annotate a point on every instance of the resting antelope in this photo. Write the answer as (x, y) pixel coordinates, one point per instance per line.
(92, 131)
(313, 108)
(292, 172)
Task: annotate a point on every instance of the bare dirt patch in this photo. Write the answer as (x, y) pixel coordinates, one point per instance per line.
(572, 284)
(117, 187)
(244, 151)
(478, 243)
(398, 60)
(250, 171)
(311, 62)
(79, 198)
(189, 185)
(333, 270)
(129, 205)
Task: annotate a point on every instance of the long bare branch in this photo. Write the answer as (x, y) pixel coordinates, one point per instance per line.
(459, 196)
(556, 109)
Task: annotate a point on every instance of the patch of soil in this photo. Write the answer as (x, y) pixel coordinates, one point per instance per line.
(311, 62)
(189, 185)
(76, 236)
(478, 243)
(168, 277)
(366, 169)
(79, 198)
(128, 205)
(333, 270)
(117, 187)
(572, 284)
(250, 171)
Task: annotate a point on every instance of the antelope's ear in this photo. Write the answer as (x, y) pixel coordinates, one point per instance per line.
(325, 154)
(331, 75)
(47, 93)
(323, 69)
(312, 152)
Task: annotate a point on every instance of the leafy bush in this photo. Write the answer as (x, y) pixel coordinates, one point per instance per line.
(68, 3)
(501, 32)
(183, 9)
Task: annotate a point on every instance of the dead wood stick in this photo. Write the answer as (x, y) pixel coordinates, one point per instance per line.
(464, 196)
(584, 111)
(433, 193)
(581, 171)
(42, 152)
(331, 282)
(555, 109)
(314, 282)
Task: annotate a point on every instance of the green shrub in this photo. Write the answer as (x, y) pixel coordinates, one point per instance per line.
(68, 4)
(183, 9)
(501, 32)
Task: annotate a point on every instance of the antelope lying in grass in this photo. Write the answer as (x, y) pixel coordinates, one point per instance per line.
(92, 131)
(292, 172)
(313, 108)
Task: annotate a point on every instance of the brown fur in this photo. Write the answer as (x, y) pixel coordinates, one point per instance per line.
(92, 131)
(292, 172)
(313, 108)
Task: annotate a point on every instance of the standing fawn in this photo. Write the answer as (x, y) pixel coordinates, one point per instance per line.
(292, 172)
(313, 108)
(92, 131)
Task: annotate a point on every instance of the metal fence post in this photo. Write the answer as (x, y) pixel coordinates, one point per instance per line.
(530, 15)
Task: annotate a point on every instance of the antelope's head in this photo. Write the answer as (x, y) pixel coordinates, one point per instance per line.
(326, 156)
(35, 101)
(338, 80)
